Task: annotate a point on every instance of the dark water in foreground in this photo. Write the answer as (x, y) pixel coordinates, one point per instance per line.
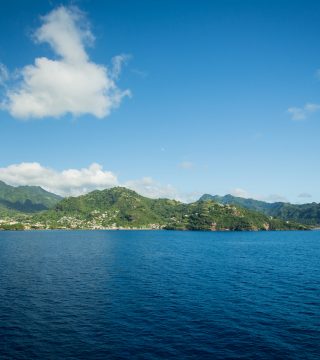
(159, 295)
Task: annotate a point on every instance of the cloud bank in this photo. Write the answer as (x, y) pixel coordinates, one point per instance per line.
(74, 182)
(69, 83)
(67, 182)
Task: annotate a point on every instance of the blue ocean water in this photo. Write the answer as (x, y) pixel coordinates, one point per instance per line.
(159, 295)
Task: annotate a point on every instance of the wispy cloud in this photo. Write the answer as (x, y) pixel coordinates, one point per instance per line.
(187, 165)
(273, 198)
(153, 189)
(317, 74)
(240, 193)
(302, 113)
(4, 74)
(268, 198)
(69, 83)
(117, 63)
(141, 73)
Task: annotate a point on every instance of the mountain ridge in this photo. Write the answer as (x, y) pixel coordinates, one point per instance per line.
(308, 214)
(120, 207)
(25, 199)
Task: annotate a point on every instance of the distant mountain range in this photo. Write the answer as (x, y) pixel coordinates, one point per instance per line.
(34, 207)
(308, 214)
(123, 208)
(26, 199)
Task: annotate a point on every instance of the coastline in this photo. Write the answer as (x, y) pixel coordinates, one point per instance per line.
(163, 229)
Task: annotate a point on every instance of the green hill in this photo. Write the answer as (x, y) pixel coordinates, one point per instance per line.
(123, 208)
(26, 199)
(308, 214)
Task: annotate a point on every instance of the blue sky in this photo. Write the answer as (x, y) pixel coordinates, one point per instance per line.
(213, 97)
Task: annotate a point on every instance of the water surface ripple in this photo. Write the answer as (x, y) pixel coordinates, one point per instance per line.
(159, 295)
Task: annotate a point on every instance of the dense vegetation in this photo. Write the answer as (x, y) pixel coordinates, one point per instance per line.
(124, 208)
(308, 214)
(26, 199)
(34, 208)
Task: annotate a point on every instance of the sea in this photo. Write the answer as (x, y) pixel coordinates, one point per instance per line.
(159, 295)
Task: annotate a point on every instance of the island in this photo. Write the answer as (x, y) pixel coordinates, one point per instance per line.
(32, 208)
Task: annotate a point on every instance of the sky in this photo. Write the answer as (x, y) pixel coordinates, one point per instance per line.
(171, 98)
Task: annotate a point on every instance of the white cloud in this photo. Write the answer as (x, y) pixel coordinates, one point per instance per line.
(65, 183)
(150, 188)
(153, 189)
(69, 84)
(240, 193)
(186, 165)
(73, 182)
(302, 113)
